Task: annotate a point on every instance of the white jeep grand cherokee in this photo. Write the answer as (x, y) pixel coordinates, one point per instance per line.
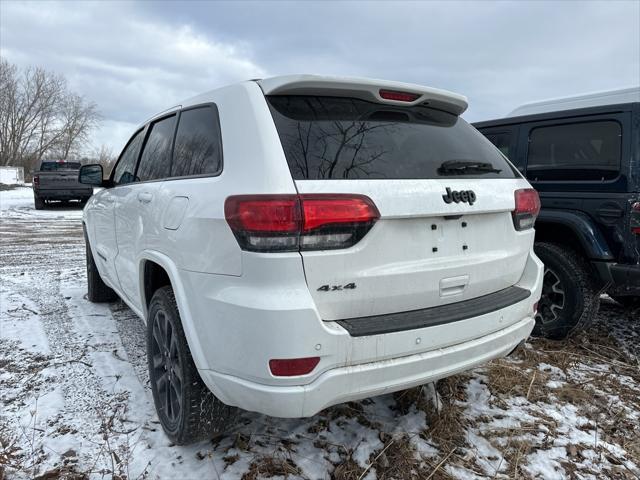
(301, 241)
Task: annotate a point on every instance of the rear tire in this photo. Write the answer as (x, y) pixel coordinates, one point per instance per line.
(187, 410)
(97, 290)
(570, 298)
(38, 202)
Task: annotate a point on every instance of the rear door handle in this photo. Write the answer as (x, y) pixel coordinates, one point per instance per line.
(145, 197)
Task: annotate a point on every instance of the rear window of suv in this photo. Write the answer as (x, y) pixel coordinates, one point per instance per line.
(344, 138)
(54, 166)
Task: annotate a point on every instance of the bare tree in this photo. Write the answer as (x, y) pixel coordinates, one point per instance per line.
(337, 149)
(8, 90)
(78, 118)
(104, 156)
(39, 116)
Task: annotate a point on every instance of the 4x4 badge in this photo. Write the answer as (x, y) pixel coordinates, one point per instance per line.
(467, 196)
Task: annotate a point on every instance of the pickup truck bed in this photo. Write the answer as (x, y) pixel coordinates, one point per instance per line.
(58, 181)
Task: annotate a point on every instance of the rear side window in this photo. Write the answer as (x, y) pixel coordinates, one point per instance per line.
(346, 138)
(502, 141)
(155, 162)
(578, 151)
(124, 170)
(197, 149)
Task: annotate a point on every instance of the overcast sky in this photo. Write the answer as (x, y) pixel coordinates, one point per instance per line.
(135, 59)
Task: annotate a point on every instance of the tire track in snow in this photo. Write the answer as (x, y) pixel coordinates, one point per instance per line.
(45, 268)
(43, 261)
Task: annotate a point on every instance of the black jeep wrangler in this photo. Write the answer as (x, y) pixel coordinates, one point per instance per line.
(583, 157)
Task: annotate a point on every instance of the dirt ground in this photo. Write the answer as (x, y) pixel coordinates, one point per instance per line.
(75, 401)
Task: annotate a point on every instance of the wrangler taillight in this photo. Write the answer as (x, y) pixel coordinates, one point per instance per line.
(634, 221)
(285, 223)
(527, 208)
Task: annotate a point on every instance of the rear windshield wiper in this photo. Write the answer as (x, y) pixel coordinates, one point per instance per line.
(460, 167)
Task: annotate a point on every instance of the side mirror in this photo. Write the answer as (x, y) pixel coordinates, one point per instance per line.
(91, 175)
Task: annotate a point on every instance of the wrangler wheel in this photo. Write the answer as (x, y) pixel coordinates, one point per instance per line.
(553, 298)
(570, 299)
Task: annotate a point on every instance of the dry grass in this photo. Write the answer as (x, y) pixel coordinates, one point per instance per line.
(350, 410)
(267, 467)
(447, 427)
(347, 470)
(508, 380)
(397, 460)
(445, 414)
(66, 473)
(11, 457)
(447, 424)
(514, 454)
(454, 388)
(598, 377)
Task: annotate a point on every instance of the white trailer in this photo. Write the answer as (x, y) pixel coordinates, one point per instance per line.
(12, 175)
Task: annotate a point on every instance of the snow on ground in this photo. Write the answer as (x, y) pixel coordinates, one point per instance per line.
(75, 401)
(15, 197)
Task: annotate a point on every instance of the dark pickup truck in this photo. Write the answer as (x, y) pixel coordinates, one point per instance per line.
(58, 180)
(582, 154)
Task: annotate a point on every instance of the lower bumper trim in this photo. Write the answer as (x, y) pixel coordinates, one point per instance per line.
(429, 317)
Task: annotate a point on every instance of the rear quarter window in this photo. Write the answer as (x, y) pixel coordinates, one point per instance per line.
(198, 145)
(344, 138)
(576, 151)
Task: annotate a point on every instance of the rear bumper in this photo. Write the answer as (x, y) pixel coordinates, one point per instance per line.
(63, 194)
(349, 383)
(234, 329)
(623, 279)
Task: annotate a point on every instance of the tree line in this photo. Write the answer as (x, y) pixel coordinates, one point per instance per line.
(42, 119)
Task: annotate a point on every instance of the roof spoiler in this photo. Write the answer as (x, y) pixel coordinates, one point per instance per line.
(378, 91)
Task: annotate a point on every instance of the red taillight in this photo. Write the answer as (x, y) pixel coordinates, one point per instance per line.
(527, 208)
(265, 213)
(322, 210)
(634, 221)
(398, 96)
(36, 180)
(265, 223)
(299, 222)
(291, 367)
